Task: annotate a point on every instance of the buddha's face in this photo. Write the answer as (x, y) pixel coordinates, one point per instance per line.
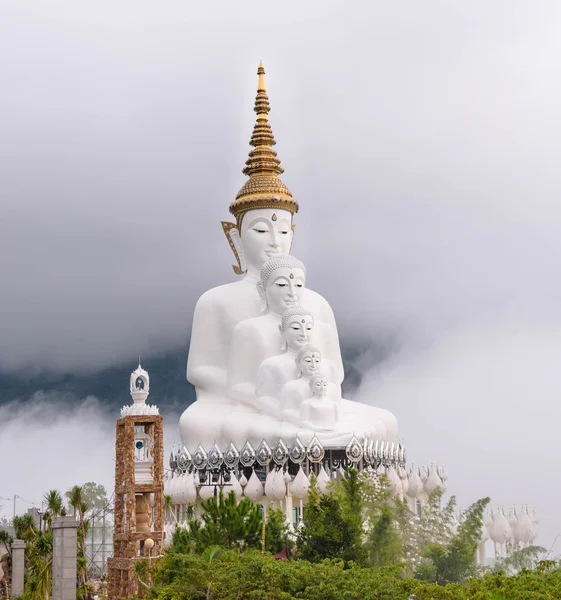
(297, 332)
(265, 232)
(319, 386)
(284, 288)
(310, 364)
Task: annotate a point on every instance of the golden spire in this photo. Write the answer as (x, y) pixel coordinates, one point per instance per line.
(263, 189)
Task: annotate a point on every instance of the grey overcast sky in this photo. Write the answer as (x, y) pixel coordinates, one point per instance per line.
(421, 140)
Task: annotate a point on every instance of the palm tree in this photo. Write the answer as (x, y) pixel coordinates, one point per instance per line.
(6, 539)
(168, 506)
(55, 505)
(75, 497)
(39, 559)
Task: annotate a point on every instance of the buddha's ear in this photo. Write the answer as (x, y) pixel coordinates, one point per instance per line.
(263, 295)
(233, 236)
(292, 228)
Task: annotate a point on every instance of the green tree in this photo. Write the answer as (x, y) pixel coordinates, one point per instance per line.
(332, 523)
(384, 542)
(519, 558)
(55, 507)
(94, 495)
(24, 528)
(454, 561)
(6, 540)
(75, 496)
(39, 555)
(226, 522)
(276, 531)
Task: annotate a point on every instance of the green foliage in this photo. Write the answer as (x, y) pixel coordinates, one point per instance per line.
(519, 558)
(252, 575)
(454, 561)
(94, 495)
(226, 523)
(331, 528)
(24, 528)
(384, 543)
(276, 531)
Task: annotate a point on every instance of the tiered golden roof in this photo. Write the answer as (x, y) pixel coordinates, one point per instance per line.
(263, 189)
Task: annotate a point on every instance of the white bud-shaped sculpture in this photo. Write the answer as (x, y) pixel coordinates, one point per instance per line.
(394, 482)
(169, 528)
(404, 480)
(243, 480)
(523, 528)
(269, 487)
(234, 487)
(500, 530)
(415, 484)
(535, 522)
(206, 492)
(301, 485)
(432, 481)
(323, 480)
(279, 486)
(512, 518)
(179, 495)
(254, 488)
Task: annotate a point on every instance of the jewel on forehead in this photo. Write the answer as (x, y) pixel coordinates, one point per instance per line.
(303, 320)
(274, 217)
(291, 276)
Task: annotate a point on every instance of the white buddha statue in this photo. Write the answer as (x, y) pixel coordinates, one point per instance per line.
(319, 412)
(254, 340)
(309, 364)
(263, 228)
(295, 328)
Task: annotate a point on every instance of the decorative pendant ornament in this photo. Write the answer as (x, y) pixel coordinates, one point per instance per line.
(280, 453)
(264, 454)
(354, 450)
(231, 456)
(184, 460)
(200, 458)
(215, 457)
(316, 451)
(297, 452)
(247, 455)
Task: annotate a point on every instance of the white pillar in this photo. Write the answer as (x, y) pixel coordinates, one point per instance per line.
(18, 567)
(65, 549)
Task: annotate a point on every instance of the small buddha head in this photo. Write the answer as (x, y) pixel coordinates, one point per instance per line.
(295, 328)
(281, 283)
(308, 361)
(318, 386)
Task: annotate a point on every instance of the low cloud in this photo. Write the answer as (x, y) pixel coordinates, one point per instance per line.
(54, 441)
(482, 400)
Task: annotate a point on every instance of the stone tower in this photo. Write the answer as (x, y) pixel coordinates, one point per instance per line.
(139, 486)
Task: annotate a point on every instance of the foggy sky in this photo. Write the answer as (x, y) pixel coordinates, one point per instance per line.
(420, 139)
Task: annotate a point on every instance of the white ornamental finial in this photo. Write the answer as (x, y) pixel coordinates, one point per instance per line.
(139, 384)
